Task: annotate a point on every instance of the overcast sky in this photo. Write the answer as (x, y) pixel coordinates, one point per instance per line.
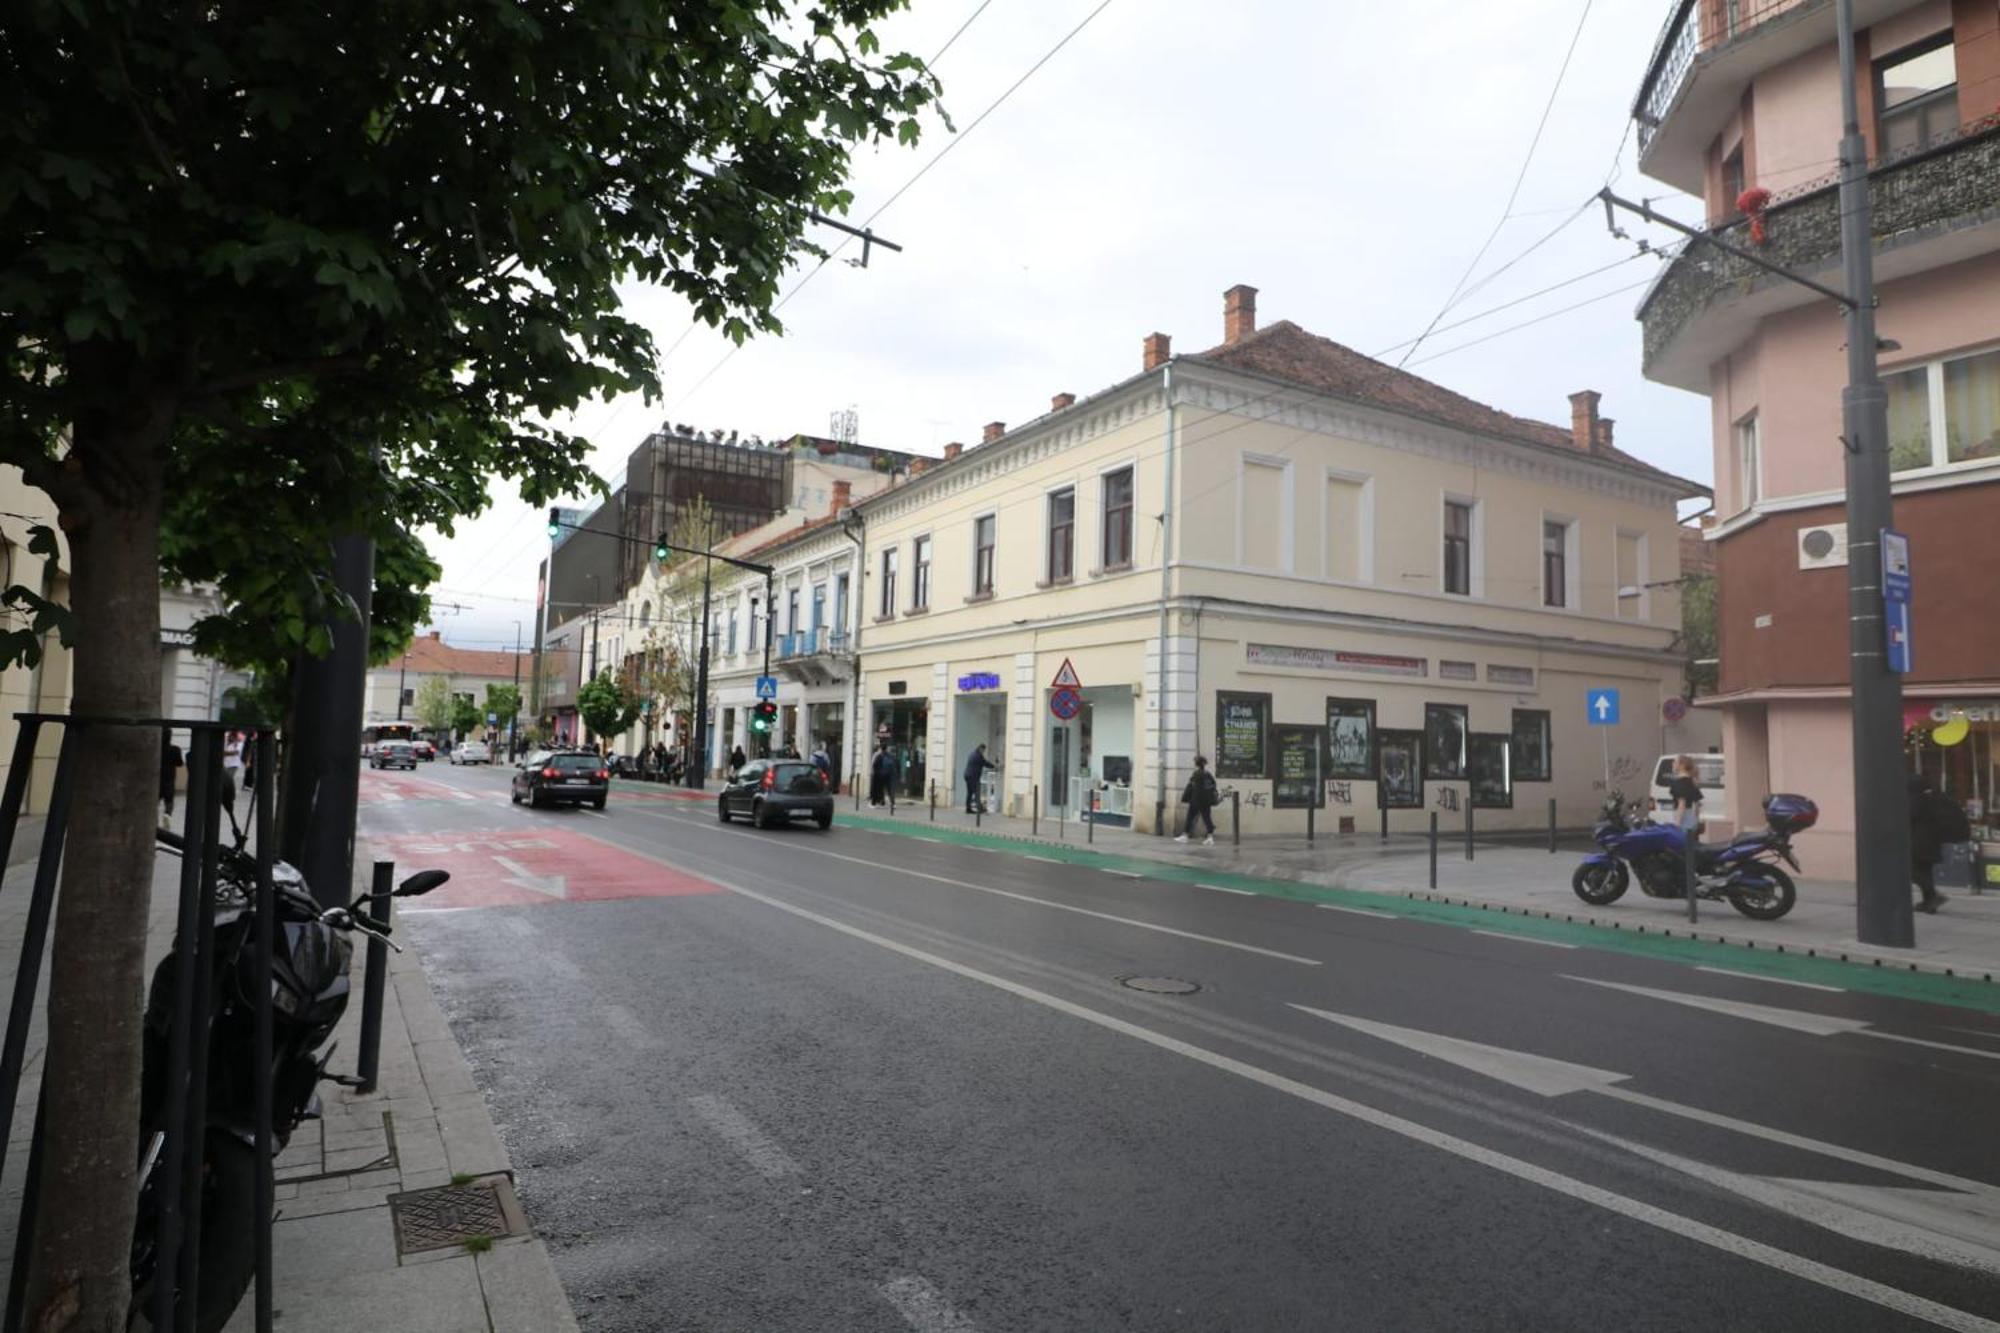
(1347, 159)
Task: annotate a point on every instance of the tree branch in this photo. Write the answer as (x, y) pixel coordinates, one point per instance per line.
(311, 367)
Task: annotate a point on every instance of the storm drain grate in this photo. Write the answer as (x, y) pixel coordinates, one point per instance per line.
(436, 1219)
(1159, 985)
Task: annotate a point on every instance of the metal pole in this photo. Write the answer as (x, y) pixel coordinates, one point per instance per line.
(402, 675)
(770, 619)
(1552, 826)
(204, 767)
(1434, 849)
(1468, 823)
(263, 930)
(1687, 863)
(515, 716)
(1235, 818)
(1882, 913)
(1604, 734)
(1035, 810)
(368, 1062)
(197, 960)
(41, 903)
(1090, 815)
(933, 800)
(1385, 820)
(697, 774)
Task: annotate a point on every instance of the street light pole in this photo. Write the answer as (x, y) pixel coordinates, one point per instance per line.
(1882, 913)
(697, 769)
(515, 716)
(402, 673)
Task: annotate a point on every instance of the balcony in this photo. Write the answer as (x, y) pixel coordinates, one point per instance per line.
(1708, 53)
(1931, 208)
(814, 656)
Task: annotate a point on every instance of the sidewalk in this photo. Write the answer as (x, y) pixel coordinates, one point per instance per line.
(337, 1265)
(1512, 875)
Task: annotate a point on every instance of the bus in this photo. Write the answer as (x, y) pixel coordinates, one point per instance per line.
(377, 732)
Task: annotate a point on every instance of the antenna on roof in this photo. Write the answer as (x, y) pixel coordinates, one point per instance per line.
(845, 425)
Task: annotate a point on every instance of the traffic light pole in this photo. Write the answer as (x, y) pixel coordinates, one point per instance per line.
(697, 768)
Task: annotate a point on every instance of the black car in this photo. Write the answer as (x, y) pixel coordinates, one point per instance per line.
(777, 791)
(562, 778)
(393, 754)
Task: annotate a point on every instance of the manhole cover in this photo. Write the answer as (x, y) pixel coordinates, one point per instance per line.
(1159, 985)
(448, 1215)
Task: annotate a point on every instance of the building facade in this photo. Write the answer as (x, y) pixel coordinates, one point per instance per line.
(1741, 106)
(1348, 587)
(392, 687)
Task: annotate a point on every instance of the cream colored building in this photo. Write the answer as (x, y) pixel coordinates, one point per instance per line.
(1275, 534)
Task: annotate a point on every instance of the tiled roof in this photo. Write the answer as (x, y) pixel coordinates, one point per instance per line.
(429, 654)
(1284, 351)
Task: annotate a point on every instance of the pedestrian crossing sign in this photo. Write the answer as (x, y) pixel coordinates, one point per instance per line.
(1066, 678)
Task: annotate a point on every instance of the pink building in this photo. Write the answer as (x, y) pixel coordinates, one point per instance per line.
(1741, 106)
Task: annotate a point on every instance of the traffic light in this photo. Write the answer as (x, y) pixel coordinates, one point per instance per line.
(555, 522)
(763, 717)
(660, 548)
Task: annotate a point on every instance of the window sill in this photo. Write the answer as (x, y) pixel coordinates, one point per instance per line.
(985, 596)
(1044, 584)
(1124, 567)
(883, 620)
(918, 611)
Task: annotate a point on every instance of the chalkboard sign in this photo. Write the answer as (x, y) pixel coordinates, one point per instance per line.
(1297, 755)
(1242, 722)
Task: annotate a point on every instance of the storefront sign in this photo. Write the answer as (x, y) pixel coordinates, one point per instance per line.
(979, 680)
(177, 638)
(1241, 722)
(1296, 768)
(1323, 659)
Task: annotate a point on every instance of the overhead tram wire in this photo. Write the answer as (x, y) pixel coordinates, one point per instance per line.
(1514, 194)
(907, 185)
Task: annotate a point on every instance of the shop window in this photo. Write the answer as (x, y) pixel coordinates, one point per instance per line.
(1532, 750)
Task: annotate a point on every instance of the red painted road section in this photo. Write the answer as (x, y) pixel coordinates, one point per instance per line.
(520, 867)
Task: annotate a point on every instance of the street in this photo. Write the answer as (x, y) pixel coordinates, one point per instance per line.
(793, 1080)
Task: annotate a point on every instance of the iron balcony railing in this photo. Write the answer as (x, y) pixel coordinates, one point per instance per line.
(1694, 29)
(810, 643)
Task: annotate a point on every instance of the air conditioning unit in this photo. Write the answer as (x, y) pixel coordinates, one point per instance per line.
(1823, 547)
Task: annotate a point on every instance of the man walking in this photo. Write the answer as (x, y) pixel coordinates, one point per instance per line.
(975, 769)
(1935, 819)
(1200, 796)
(881, 772)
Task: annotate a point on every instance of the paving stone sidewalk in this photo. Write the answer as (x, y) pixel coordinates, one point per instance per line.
(336, 1261)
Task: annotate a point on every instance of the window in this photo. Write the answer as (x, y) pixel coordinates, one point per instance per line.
(1532, 745)
(1916, 97)
(1555, 563)
(1749, 464)
(920, 574)
(840, 603)
(1732, 184)
(1944, 413)
(1263, 514)
(1348, 529)
(982, 554)
(888, 583)
(1458, 547)
(792, 625)
(1062, 535)
(1117, 518)
(731, 649)
(819, 607)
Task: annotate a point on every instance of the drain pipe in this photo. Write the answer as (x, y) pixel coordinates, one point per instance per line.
(850, 525)
(1166, 590)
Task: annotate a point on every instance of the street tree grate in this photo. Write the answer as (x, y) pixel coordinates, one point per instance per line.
(1159, 985)
(449, 1215)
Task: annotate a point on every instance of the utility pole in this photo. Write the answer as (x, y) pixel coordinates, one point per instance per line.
(697, 769)
(515, 716)
(402, 674)
(1882, 913)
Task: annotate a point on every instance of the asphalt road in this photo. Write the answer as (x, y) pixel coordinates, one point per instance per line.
(794, 1080)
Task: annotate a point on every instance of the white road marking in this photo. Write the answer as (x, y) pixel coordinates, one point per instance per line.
(628, 1026)
(750, 1142)
(924, 1307)
(1775, 981)
(1934, 1045)
(1045, 860)
(1701, 1233)
(1071, 907)
(553, 886)
(1524, 939)
(1224, 888)
(1357, 911)
(1123, 874)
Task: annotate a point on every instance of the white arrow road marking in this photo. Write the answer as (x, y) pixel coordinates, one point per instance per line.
(1798, 1020)
(555, 886)
(742, 1134)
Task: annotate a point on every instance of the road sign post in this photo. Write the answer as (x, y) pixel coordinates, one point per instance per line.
(1600, 707)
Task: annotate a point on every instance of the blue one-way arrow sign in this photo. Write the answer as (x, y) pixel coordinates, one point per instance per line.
(1602, 707)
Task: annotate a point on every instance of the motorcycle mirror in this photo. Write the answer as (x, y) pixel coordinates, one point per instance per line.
(421, 883)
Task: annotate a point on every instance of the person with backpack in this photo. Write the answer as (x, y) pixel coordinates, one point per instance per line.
(1200, 796)
(1935, 819)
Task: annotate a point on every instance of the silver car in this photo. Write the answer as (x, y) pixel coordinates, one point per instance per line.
(471, 752)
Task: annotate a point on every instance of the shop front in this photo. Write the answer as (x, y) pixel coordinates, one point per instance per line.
(1956, 744)
(1091, 756)
(903, 725)
(978, 717)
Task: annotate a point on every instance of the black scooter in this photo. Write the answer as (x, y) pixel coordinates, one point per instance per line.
(309, 966)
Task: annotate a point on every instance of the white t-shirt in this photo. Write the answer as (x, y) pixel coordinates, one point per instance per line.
(232, 754)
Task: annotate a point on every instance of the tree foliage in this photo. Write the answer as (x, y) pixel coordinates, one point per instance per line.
(605, 706)
(465, 716)
(504, 703)
(1698, 633)
(432, 707)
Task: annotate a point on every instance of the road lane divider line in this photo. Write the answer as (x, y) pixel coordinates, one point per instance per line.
(1358, 911)
(1776, 981)
(1524, 939)
(924, 1307)
(1224, 888)
(1934, 1045)
(752, 1144)
(1071, 907)
(1123, 874)
(628, 1027)
(1701, 1233)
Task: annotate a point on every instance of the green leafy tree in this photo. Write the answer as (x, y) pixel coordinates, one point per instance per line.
(254, 295)
(465, 716)
(433, 704)
(504, 703)
(1698, 633)
(605, 706)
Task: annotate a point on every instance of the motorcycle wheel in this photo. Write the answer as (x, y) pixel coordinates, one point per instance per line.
(1765, 904)
(1600, 885)
(228, 1260)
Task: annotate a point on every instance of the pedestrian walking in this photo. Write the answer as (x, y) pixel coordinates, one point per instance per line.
(976, 768)
(250, 763)
(1935, 819)
(736, 761)
(232, 766)
(1685, 792)
(823, 761)
(171, 764)
(881, 772)
(1201, 797)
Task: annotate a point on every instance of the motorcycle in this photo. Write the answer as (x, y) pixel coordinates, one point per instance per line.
(1743, 872)
(309, 964)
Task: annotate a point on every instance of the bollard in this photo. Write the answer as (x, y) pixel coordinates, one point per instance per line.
(375, 973)
(1235, 819)
(1385, 822)
(1687, 861)
(1035, 810)
(1468, 825)
(1090, 826)
(854, 785)
(978, 809)
(1309, 824)
(1434, 849)
(933, 800)
(1552, 826)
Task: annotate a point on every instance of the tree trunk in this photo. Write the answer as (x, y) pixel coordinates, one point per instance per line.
(79, 1274)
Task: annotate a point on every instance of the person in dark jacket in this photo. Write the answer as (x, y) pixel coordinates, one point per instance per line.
(1200, 796)
(170, 765)
(975, 769)
(881, 773)
(736, 761)
(1935, 819)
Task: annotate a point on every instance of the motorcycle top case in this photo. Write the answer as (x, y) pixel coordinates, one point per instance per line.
(1786, 813)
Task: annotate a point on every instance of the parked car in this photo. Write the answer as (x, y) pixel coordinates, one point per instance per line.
(562, 777)
(425, 750)
(393, 754)
(777, 791)
(471, 752)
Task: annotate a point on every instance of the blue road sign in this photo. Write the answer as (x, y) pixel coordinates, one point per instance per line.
(767, 687)
(1896, 587)
(1602, 707)
(1065, 703)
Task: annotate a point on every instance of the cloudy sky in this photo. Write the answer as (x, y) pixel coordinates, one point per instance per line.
(1348, 159)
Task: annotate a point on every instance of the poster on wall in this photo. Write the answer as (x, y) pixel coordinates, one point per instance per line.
(1399, 779)
(1297, 753)
(1445, 726)
(1242, 722)
(1532, 753)
(1350, 739)
(1486, 771)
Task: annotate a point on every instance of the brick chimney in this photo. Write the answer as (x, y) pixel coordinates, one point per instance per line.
(994, 430)
(1060, 401)
(1604, 425)
(918, 466)
(1239, 313)
(1158, 348)
(1583, 418)
(843, 496)
(953, 450)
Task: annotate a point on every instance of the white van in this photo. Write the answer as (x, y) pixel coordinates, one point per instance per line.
(1710, 774)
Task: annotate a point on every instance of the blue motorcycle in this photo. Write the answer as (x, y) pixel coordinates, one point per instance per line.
(1743, 871)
